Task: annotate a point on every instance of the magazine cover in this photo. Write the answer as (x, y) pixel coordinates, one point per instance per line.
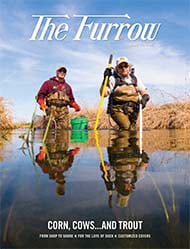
(94, 124)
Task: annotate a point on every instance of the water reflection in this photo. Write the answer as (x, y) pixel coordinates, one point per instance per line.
(125, 167)
(152, 187)
(55, 157)
(78, 136)
(5, 138)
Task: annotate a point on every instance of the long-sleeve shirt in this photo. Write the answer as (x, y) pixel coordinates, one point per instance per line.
(47, 87)
(128, 80)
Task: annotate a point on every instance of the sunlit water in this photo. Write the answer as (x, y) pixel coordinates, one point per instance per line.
(146, 197)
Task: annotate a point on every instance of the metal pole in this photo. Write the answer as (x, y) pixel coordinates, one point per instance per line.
(140, 123)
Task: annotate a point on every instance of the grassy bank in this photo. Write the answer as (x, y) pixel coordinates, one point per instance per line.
(168, 116)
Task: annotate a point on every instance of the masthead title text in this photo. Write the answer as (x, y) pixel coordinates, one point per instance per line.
(93, 27)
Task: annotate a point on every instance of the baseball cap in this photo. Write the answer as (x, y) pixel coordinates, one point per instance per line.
(61, 67)
(121, 60)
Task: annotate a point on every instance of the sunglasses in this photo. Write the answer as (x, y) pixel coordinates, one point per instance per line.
(123, 66)
(63, 70)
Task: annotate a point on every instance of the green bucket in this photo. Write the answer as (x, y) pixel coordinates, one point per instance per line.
(79, 123)
(79, 137)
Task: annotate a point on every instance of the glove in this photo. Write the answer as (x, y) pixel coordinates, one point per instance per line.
(42, 104)
(41, 154)
(75, 106)
(144, 100)
(107, 72)
(145, 157)
(74, 151)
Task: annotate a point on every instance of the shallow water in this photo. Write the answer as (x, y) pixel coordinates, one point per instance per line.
(103, 181)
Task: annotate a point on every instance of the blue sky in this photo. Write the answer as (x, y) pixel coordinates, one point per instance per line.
(162, 64)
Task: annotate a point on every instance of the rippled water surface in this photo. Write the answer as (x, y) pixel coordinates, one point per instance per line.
(82, 191)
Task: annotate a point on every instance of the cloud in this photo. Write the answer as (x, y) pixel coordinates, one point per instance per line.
(158, 63)
(182, 20)
(28, 64)
(155, 62)
(15, 47)
(66, 8)
(69, 7)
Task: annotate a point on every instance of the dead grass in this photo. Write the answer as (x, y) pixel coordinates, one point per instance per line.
(168, 116)
(6, 121)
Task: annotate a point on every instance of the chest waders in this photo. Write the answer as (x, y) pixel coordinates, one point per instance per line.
(57, 102)
(123, 104)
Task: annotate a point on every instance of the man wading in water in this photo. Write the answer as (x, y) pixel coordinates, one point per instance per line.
(54, 97)
(123, 90)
